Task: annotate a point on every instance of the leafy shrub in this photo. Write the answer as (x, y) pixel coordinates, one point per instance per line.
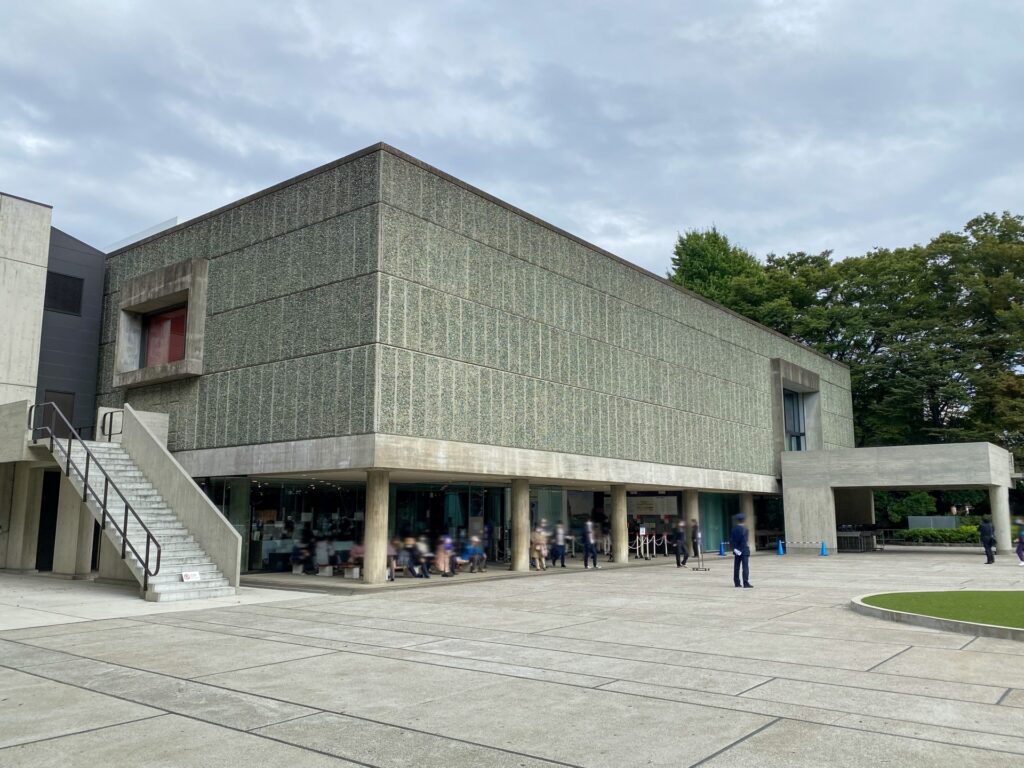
(965, 534)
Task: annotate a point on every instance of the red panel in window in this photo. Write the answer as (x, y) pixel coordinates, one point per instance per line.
(165, 337)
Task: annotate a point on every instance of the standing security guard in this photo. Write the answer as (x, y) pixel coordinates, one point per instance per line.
(741, 553)
(680, 542)
(988, 539)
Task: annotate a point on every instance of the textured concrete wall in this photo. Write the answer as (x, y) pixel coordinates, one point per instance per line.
(290, 313)
(496, 329)
(24, 249)
(404, 303)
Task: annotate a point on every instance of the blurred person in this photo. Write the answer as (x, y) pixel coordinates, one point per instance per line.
(589, 536)
(539, 541)
(558, 555)
(988, 539)
(696, 537)
(357, 553)
(474, 555)
(1020, 541)
(423, 555)
(442, 559)
(679, 539)
(393, 546)
(741, 553)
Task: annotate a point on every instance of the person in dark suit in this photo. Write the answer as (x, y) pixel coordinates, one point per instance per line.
(679, 538)
(741, 553)
(988, 539)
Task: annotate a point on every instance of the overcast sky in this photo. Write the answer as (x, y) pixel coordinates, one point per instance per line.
(790, 125)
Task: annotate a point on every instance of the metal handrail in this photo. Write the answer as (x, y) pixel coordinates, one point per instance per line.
(107, 425)
(108, 484)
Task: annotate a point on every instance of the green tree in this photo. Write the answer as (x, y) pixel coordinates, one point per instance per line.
(933, 335)
(707, 263)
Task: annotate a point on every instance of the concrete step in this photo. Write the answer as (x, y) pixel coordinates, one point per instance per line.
(197, 594)
(216, 580)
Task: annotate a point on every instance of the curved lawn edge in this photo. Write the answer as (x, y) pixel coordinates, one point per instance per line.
(934, 622)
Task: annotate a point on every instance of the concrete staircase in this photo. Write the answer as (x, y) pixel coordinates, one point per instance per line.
(180, 552)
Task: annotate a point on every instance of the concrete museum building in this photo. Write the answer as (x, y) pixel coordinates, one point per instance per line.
(376, 349)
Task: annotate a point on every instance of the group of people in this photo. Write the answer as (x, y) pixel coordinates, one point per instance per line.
(550, 546)
(416, 557)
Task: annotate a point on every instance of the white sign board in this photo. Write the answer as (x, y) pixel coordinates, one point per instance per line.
(190, 575)
(643, 531)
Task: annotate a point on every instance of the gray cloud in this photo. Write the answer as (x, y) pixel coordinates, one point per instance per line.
(795, 125)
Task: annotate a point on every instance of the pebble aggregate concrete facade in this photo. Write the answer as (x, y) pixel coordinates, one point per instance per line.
(380, 296)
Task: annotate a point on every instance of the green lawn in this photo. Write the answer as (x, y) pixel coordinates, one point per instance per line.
(1003, 608)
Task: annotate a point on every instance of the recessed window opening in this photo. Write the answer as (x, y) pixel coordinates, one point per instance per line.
(63, 293)
(163, 337)
(793, 408)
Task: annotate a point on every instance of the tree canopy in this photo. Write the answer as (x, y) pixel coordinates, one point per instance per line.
(933, 334)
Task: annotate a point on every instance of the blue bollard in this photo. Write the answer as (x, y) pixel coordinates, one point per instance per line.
(824, 550)
(781, 550)
(721, 549)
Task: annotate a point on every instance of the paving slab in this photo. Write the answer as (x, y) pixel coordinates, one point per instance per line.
(184, 697)
(387, 745)
(173, 650)
(32, 708)
(169, 741)
(966, 665)
(792, 744)
(968, 716)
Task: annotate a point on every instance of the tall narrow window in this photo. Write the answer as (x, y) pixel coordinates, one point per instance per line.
(163, 337)
(793, 406)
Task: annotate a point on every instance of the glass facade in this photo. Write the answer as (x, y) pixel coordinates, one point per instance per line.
(272, 516)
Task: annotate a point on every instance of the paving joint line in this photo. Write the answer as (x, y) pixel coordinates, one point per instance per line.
(885, 661)
(598, 656)
(726, 748)
(86, 730)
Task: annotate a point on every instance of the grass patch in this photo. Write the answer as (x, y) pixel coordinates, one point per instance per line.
(1003, 608)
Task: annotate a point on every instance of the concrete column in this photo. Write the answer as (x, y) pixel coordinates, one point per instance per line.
(620, 534)
(520, 524)
(73, 535)
(23, 523)
(750, 521)
(691, 514)
(375, 528)
(999, 502)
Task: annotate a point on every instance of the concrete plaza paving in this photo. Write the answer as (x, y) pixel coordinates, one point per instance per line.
(649, 665)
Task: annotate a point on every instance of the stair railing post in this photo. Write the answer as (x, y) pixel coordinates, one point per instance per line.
(145, 565)
(124, 531)
(106, 485)
(85, 480)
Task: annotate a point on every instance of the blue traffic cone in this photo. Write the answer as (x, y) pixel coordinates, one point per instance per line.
(824, 550)
(721, 549)
(781, 550)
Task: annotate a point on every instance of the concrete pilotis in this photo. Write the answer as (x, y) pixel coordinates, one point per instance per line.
(620, 536)
(520, 525)
(749, 519)
(73, 534)
(23, 526)
(691, 513)
(999, 502)
(375, 531)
